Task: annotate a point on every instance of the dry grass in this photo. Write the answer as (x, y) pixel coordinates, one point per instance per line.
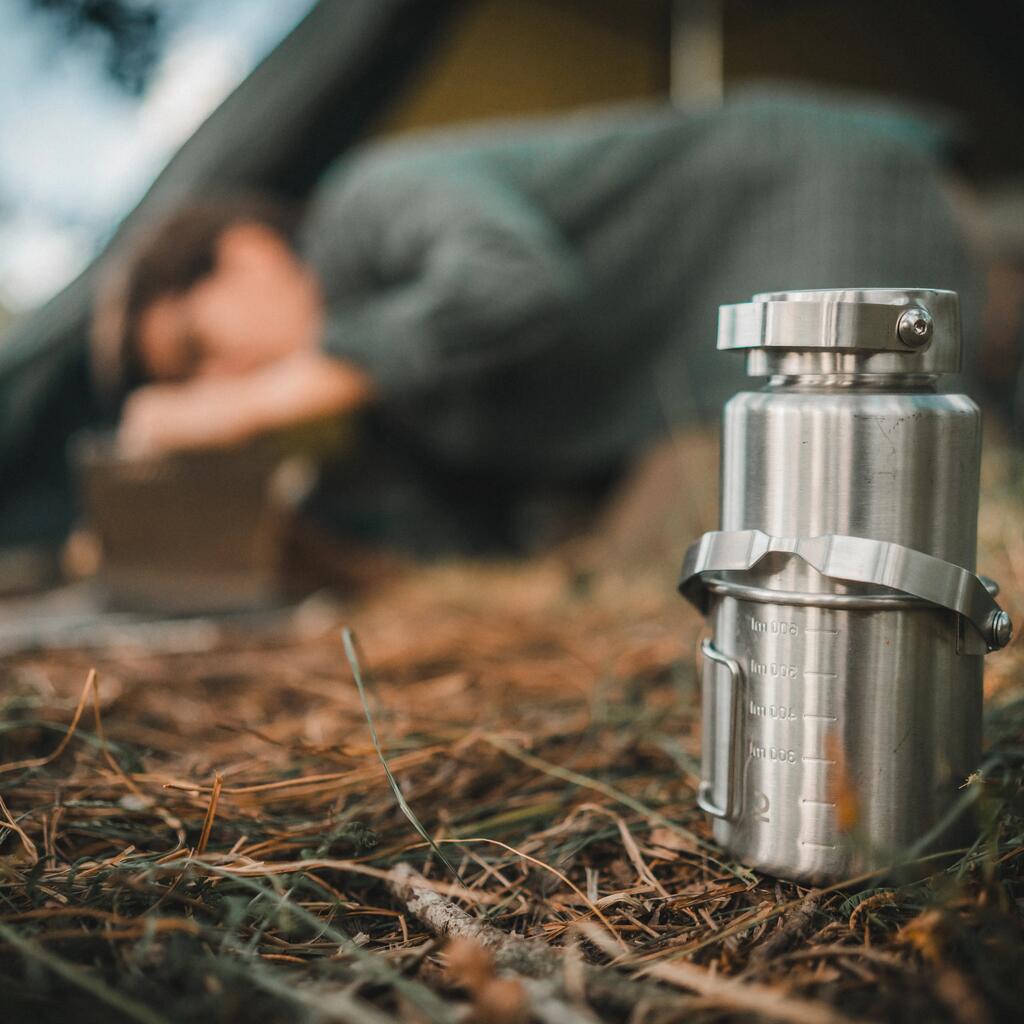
(213, 837)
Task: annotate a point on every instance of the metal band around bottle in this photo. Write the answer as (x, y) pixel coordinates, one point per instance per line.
(852, 560)
(865, 329)
(852, 326)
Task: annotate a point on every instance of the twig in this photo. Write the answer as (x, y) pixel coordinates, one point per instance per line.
(531, 960)
(594, 908)
(536, 965)
(529, 957)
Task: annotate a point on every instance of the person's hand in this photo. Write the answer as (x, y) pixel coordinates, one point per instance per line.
(214, 412)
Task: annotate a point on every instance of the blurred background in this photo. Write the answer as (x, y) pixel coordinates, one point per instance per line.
(97, 95)
(114, 110)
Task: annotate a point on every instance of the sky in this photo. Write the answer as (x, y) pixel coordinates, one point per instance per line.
(77, 151)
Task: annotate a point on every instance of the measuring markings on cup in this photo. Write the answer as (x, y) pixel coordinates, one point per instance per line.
(791, 714)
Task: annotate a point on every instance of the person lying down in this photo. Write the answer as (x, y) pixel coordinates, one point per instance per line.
(517, 310)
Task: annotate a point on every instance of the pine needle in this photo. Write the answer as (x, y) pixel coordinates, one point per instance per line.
(211, 813)
(39, 762)
(350, 643)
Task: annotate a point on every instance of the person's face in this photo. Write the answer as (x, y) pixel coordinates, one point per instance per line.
(258, 305)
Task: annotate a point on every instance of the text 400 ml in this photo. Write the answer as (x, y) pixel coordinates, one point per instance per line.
(779, 712)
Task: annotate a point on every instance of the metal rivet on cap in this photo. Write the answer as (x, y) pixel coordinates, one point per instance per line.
(915, 327)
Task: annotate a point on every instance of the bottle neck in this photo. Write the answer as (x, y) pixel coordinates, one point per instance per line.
(833, 371)
(890, 382)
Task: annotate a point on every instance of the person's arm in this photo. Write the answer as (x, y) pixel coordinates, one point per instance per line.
(222, 411)
(435, 270)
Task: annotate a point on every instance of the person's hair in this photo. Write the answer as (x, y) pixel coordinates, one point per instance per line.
(166, 258)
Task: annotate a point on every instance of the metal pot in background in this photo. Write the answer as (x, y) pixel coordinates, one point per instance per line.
(842, 682)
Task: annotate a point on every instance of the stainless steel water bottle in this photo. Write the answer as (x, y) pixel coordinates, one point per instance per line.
(842, 680)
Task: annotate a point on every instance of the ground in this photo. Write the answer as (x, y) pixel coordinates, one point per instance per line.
(204, 830)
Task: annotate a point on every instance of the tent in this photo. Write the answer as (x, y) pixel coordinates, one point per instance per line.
(350, 69)
(321, 89)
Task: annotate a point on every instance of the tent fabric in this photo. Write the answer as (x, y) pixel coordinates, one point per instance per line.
(309, 100)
